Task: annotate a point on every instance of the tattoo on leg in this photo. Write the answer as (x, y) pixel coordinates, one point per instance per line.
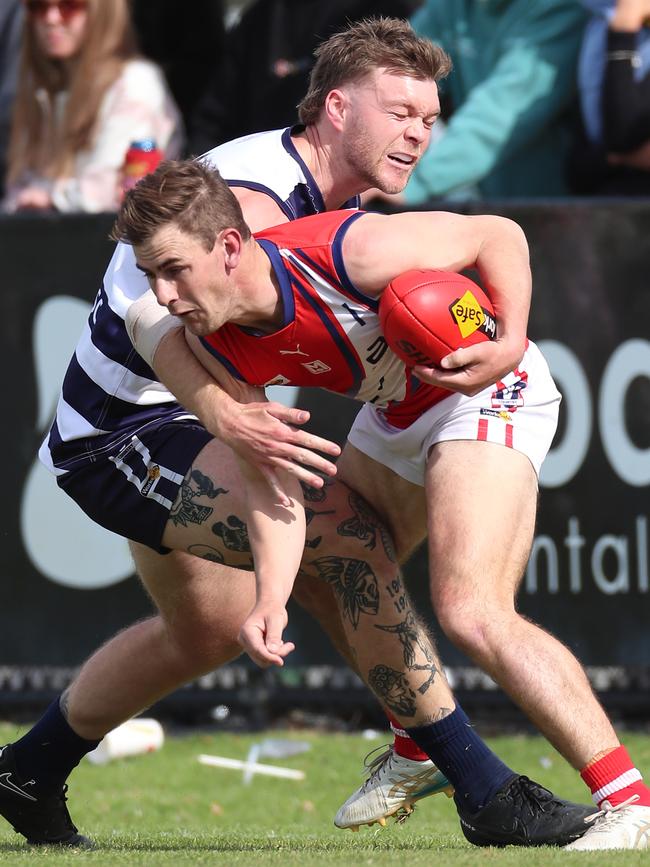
(313, 495)
(365, 525)
(204, 486)
(392, 688)
(410, 635)
(398, 594)
(185, 511)
(234, 533)
(205, 552)
(354, 583)
(310, 514)
(64, 702)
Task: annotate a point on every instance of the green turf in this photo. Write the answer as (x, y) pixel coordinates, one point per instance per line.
(166, 808)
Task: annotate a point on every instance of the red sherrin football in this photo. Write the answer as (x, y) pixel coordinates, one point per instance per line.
(425, 315)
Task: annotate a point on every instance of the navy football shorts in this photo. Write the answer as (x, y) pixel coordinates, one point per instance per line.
(128, 485)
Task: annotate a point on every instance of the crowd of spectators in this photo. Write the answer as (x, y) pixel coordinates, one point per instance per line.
(546, 97)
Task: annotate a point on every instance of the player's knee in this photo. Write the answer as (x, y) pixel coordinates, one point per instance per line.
(203, 645)
(474, 628)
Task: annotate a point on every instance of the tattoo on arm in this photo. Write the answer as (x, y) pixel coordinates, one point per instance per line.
(391, 688)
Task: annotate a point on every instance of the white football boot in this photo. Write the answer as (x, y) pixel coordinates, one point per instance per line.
(624, 826)
(393, 787)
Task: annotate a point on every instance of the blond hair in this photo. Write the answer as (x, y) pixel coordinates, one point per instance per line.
(372, 43)
(38, 142)
(185, 193)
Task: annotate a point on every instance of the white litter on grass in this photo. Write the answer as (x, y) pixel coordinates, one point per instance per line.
(271, 748)
(251, 768)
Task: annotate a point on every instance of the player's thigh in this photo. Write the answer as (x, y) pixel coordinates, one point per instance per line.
(207, 516)
(195, 594)
(398, 502)
(482, 502)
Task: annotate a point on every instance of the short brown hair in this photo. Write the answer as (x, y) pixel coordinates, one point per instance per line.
(188, 193)
(371, 43)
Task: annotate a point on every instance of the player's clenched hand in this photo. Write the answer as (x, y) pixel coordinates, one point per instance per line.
(261, 635)
(264, 434)
(470, 369)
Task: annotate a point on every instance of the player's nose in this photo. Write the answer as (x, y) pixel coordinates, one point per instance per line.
(165, 291)
(416, 131)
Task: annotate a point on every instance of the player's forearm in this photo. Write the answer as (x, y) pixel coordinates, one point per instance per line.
(190, 383)
(504, 264)
(276, 534)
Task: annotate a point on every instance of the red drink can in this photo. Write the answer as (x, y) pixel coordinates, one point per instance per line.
(141, 158)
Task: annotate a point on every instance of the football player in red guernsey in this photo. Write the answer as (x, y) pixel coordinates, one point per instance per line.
(297, 304)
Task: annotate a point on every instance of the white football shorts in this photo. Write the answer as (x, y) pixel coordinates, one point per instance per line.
(519, 412)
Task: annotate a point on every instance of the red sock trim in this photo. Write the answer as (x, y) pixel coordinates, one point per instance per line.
(404, 745)
(614, 778)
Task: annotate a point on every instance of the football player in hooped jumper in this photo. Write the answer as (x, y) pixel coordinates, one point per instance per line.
(249, 302)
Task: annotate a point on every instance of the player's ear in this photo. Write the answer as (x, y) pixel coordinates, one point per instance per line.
(336, 104)
(231, 244)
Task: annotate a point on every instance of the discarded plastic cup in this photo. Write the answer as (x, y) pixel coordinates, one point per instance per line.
(132, 738)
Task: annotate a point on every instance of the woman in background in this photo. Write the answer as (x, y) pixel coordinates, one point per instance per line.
(83, 96)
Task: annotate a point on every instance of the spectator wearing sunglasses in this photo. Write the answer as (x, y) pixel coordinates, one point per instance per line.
(83, 95)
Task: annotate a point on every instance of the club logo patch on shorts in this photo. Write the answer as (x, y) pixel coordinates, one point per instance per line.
(509, 397)
(469, 316)
(153, 474)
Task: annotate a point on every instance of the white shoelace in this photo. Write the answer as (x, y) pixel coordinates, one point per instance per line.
(610, 815)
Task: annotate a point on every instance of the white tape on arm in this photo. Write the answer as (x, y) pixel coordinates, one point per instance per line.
(147, 323)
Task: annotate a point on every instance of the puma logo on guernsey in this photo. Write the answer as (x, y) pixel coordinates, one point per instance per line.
(297, 351)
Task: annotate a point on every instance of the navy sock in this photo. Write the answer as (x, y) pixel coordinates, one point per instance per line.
(469, 764)
(49, 751)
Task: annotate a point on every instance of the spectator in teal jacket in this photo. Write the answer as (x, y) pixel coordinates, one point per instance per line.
(511, 91)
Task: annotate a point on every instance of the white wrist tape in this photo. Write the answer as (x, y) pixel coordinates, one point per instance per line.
(147, 323)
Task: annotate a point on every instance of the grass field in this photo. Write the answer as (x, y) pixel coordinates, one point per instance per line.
(166, 808)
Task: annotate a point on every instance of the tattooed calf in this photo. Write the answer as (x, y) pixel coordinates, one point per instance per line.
(392, 688)
(409, 633)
